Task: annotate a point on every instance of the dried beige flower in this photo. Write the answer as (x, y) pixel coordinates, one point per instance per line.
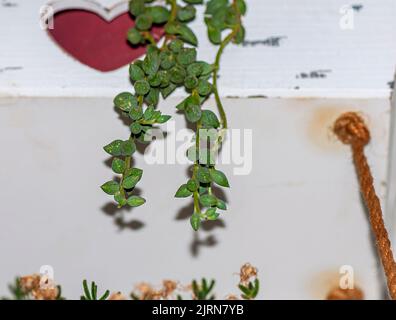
(39, 287)
(169, 286)
(247, 272)
(117, 296)
(29, 283)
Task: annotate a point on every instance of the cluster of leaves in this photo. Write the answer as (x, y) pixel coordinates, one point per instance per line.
(250, 290)
(222, 15)
(91, 292)
(17, 293)
(203, 290)
(164, 69)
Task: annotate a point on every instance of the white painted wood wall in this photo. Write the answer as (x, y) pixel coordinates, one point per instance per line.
(355, 62)
(297, 217)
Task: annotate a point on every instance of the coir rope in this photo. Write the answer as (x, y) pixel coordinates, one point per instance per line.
(351, 129)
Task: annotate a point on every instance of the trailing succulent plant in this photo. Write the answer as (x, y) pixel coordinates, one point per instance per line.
(168, 66)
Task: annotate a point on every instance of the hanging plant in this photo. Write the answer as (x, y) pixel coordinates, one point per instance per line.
(172, 65)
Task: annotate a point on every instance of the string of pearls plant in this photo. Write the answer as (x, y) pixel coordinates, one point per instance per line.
(169, 66)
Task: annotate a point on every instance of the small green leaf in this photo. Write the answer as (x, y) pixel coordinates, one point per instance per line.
(137, 7)
(130, 182)
(204, 87)
(190, 82)
(128, 147)
(149, 113)
(135, 172)
(208, 200)
(155, 80)
(142, 87)
(159, 14)
(219, 178)
(163, 118)
(135, 72)
(118, 165)
(195, 69)
(192, 153)
(214, 34)
(203, 175)
(241, 6)
(209, 119)
(151, 62)
(187, 56)
(216, 5)
(193, 112)
(183, 192)
(231, 17)
(120, 199)
(135, 127)
(177, 74)
(187, 35)
(114, 148)
(192, 185)
(211, 214)
(111, 187)
(240, 36)
(172, 27)
(168, 90)
(186, 13)
(144, 22)
(135, 201)
(165, 79)
(195, 221)
(136, 113)
(134, 36)
(206, 68)
(176, 45)
(124, 101)
(244, 289)
(153, 96)
(221, 204)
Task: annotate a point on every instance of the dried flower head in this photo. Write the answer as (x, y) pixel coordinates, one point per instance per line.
(39, 287)
(46, 293)
(117, 296)
(29, 283)
(247, 273)
(169, 287)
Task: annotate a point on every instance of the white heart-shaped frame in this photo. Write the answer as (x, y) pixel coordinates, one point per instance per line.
(108, 10)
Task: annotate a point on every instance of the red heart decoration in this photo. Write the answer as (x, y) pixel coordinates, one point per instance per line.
(95, 42)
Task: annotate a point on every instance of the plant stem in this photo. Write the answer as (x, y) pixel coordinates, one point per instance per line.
(220, 107)
(128, 159)
(172, 18)
(223, 44)
(197, 208)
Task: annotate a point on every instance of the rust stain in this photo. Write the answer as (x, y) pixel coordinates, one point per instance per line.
(325, 285)
(320, 127)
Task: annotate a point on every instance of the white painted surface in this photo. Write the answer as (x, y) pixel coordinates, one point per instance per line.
(361, 61)
(391, 195)
(297, 217)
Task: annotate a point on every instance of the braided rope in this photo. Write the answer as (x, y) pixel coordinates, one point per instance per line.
(351, 129)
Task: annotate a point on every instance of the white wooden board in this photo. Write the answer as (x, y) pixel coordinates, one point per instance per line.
(293, 48)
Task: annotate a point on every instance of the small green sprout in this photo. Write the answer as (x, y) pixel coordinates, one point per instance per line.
(92, 292)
